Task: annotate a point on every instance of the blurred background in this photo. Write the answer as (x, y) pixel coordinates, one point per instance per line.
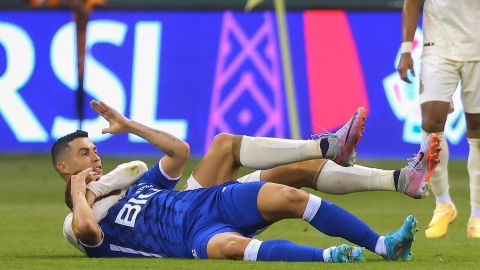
(196, 68)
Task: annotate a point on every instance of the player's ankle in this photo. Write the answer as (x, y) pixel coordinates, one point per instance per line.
(443, 198)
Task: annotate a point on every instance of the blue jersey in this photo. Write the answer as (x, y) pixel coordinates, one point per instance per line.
(153, 220)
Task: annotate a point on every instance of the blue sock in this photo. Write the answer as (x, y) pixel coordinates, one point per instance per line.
(283, 250)
(334, 221)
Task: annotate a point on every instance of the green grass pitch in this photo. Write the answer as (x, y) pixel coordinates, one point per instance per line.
(32, 213)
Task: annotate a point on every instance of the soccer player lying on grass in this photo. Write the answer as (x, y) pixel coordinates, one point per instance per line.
(207, 223)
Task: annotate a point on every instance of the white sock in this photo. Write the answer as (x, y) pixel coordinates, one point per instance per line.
(327, 256)
(439, 179)
(380, 247)
(443, 198)
(251, 251)
(474, 173)
(266, 153)
(475, 213)
(312, 207)
(251, 177)
(335, 179)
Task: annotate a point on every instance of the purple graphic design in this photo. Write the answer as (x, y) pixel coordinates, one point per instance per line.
(247, 91)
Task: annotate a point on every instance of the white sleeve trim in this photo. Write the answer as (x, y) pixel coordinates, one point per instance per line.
(69, 235)
(165, 174)
(72, 239)
(94, 246)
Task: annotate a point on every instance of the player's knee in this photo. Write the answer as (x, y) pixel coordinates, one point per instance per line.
(223, 142)
(473, 126)
(234, 247)
(294, 200)
(433, 124)
(226, 145)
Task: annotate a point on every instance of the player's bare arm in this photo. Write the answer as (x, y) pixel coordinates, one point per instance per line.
(84, 222)
(120, 178)
(89, 195)
(410, 14)
(177, 151)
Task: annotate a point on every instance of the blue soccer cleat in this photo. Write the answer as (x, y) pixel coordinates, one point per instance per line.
(399, 243)
(346, 254)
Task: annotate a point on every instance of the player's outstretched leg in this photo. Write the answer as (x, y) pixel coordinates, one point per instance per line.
(328, 177)
(230, 245)
(266, 153)
(228, 152)
(277, 202)
(282, 250)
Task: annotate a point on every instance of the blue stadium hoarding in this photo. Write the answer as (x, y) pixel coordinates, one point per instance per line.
(196, 74)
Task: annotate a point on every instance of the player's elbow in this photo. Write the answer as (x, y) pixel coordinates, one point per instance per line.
(136, 166)
(89, 233)
(86, 230)
(183, 151)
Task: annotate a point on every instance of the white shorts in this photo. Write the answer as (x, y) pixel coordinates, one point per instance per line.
(439, 78)
(193, 184)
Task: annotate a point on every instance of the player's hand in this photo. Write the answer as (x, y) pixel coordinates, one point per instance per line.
(117, 121)
(78, 181)
(92, 176)
(406, 64)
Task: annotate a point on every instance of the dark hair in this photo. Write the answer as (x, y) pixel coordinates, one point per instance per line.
(61, 145)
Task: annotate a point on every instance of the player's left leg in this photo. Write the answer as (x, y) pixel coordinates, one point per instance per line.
(230, 245)
(473, 137)
(276, 202)
(328, 177)
(440, 77)
(228, 152)
(470, 75)
(236, 216)
(266, 153)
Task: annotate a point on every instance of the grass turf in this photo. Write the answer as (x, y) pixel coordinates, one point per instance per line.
(32, 213)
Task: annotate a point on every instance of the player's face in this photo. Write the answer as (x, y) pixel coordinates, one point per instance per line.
(82, 155)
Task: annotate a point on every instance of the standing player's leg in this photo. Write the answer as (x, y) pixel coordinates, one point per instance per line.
(439, 80)
(473, 137)
(328, 177)
(228, 152)
(471, 103)
(445, 211)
